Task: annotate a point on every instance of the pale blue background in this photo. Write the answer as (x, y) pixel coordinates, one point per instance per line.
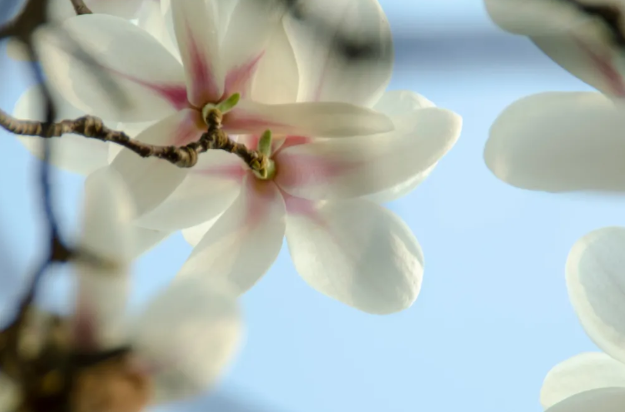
(493, 316)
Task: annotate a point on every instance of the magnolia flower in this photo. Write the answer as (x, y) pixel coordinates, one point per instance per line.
(174, 347)
(559, 142)
(595, 278)
(585, 37)
(159, 88)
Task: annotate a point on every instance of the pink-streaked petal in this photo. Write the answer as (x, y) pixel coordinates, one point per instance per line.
(327, 73)
(73, 153)
(581, 373)
(598, 400)
(356, 252)
(306, 119)
(198, 42)
(559, 142)
(359, 166)
(243, 244)
(251, 26)
(186, 336)
(148, 78)
(277, 77)
(207, 191)
(103, 288)
(152, 180)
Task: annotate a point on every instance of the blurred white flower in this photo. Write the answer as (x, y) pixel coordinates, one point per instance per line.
(174, 348)
(585, 37)
(560, 142)
(595, 278)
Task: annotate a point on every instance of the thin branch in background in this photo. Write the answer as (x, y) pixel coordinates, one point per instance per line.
(80, 7)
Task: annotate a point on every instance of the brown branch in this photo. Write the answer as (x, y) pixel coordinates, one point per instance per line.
(183, 156)
(80, 7)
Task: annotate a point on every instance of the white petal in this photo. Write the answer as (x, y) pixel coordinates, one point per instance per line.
(306, 119)
(356, 252)
(598, 400)
(400, 190)
(146, 239)
(535, 17)
(245, 241)
(207, 190)
(16, 49)
(126, 9)
(327, 73)
(595, 278)
(103, 287)
(583, 372)
(150, 79)
(195, 234)
(250, 29)
(186, 336)
(151, 19)
(277, 78)
(359, 166)
(198, 42)
(559, 142)
(73, 153)
(152, 180)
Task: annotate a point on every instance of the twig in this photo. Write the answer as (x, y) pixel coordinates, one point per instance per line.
(184, 156)
(80, 7)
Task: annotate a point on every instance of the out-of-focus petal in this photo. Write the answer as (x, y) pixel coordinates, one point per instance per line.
(313, 119)
(207, 190)
(558, 142)
(146, 239)
(583, 372)
(73, 153)
(598, 400)
(152, 180)
(149, 79)
(243, 244)
(277, 78)
(330, 68)
(359, 166)
(357, 252)
(595, 279)
(195, 234)
(103, 272)
(198, 42)
(186, 336)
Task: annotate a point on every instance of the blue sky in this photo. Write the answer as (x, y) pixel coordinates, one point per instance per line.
(493, 315)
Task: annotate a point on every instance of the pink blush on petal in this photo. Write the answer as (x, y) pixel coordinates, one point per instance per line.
(203, 86)
(301, 170)
(235, 120)
(189, 130)
(238, 79)
(606, 68)
(234, 172)
(257, 207)
(175, 94)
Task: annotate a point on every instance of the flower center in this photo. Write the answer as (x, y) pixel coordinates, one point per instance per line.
(267, 172)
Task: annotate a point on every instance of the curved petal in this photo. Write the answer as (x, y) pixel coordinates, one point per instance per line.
(186, 336)
(207, 190)
(103, 285)
(198, 42)
(598, 400)
(245, 241)
(330, 69)
(146, 239)
(249, 32)
(152, 20)
(195, 234)
(126, 9)
(535, 17)
(595, 279)
(365, 165)
(357, 252)
(277, 77)
(305, 119)
(588, 56)
(73, 153)
(400, 190)
(559, 142)
(152, 180)
(149, 80)
(583, 372)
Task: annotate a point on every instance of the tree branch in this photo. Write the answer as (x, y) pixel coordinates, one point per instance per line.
(80, 7)
(183, 156)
